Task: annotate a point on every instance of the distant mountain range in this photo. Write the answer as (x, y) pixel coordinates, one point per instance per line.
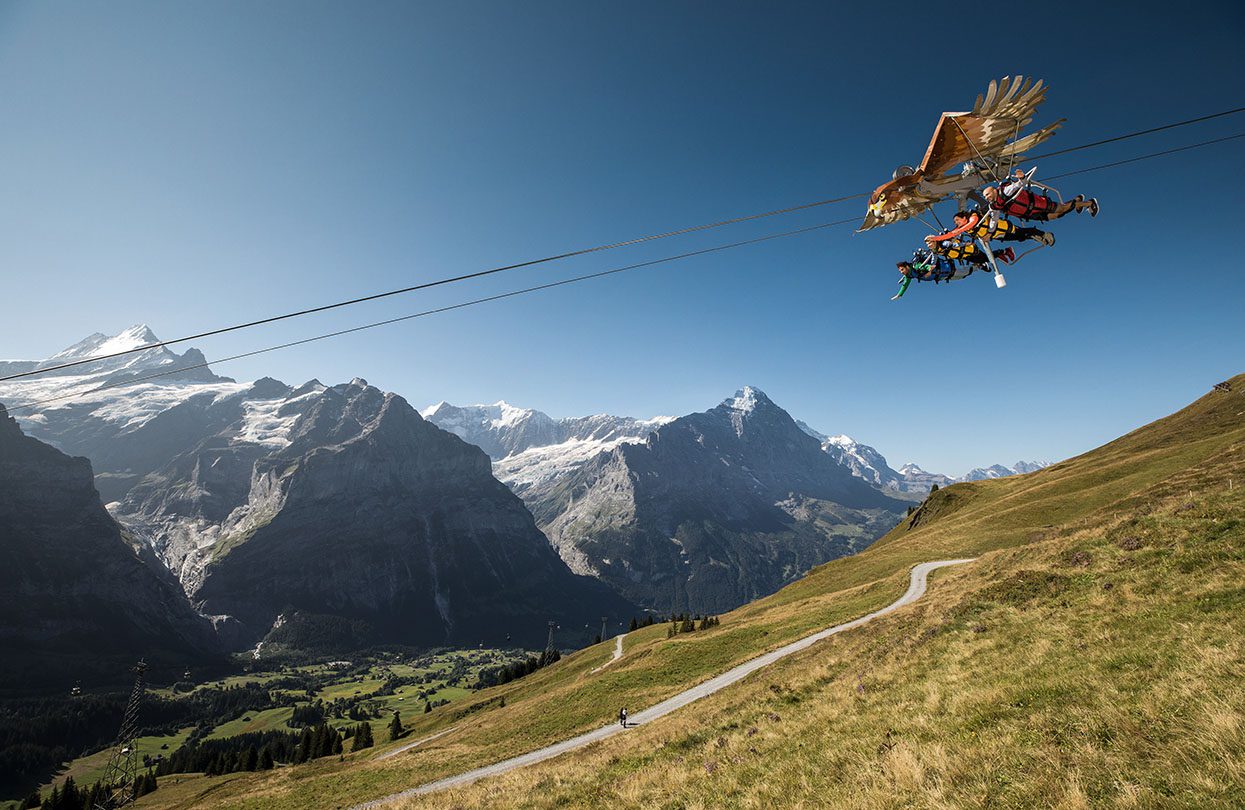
(869, 464)
(343, 510)
(702, 512)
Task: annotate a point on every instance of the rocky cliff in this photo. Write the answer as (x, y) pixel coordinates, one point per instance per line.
(76, 590)
(342, 501)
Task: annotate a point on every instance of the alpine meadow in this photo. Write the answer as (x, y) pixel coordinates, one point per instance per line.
(649, 405)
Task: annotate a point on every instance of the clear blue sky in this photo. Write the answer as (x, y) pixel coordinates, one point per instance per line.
(193, 164)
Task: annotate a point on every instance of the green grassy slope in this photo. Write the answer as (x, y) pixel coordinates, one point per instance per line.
(1010, 683)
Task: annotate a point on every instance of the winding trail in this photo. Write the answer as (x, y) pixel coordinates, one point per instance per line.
(404, 748)
(916, 589)
(617, 654)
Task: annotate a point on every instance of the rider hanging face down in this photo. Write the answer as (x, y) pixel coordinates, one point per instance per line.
(967, 252)
(1017, 197)
(928, 266)
(974, 225)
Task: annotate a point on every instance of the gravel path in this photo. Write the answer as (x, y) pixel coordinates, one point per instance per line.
(402, 748)
(916, 589)
(617, 654)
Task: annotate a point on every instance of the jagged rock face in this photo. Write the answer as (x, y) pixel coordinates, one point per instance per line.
(713, 509)
(74, 588)
(354, 506)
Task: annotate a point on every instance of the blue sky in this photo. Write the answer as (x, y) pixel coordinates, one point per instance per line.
(190, 165)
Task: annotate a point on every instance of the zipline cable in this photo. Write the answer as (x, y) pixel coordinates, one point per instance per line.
(425, 313)
(1136, 134)
(574, 280)
(437, 283)
(558, 257)
(1147, 157)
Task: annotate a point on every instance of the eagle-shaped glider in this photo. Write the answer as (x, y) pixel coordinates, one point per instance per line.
(977, 140)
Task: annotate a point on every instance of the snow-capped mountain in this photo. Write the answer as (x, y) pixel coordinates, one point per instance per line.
(869, 465)
(999, 471)
(918, 480)
(711, 509)
(864, 462)
(909, 480)
(95, 410)
(502, 430)
(187, 367)
(338, 502)
(531, 451)
(341, 501)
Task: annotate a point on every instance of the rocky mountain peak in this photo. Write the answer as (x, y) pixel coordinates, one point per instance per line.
(97, 344)
(8, 425)
(750, 410)
(748, 400)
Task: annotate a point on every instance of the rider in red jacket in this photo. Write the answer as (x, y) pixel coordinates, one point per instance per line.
(1015, 198)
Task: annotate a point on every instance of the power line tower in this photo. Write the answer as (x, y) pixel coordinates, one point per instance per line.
(123, 763)
(549, 644)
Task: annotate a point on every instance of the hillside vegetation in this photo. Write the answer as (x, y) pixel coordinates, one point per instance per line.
(1092, 655)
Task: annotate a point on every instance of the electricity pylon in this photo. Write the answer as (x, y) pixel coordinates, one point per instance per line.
(122, 770)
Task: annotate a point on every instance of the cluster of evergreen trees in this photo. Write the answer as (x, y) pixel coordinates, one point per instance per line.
(311, 714)
(636, 624)
(69, 796)
(38, 734)
(362, 736)
(687, 624)
(254, 751)
(504, 674)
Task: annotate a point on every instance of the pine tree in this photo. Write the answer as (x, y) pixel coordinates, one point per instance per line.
(427, 707)
(32, 800)
(633, 626)
(70, 798)
(250, 759)
(265, 760)
(395, 726)
(303, 752)
(362, 737)
(144, 784)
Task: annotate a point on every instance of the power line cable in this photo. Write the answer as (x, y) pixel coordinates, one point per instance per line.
(582, 252)
(574, 280)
